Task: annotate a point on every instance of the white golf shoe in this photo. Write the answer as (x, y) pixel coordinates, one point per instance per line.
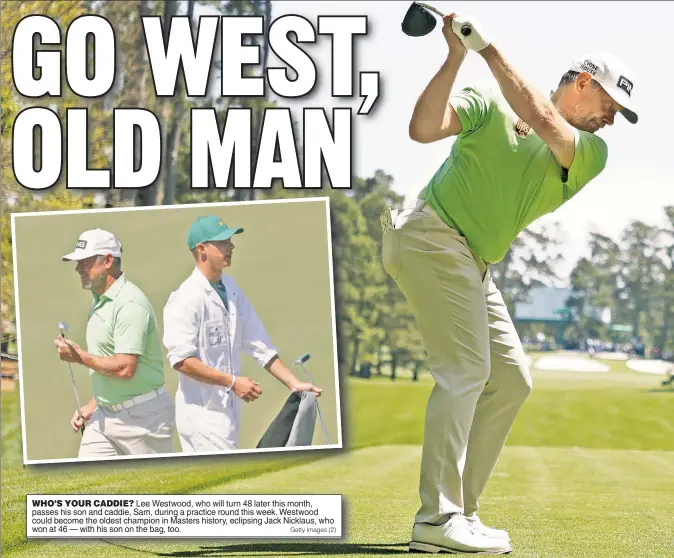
(453, 537)
(475, 522)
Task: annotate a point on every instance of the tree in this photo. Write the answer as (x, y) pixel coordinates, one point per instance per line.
(667, 292)
(594, 283)
(63, 12)
(24, 203)
(529, 262)
(640, 273)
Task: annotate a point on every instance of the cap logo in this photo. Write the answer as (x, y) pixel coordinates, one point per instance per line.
(82, 244)
(221, 223)
(589, 67)
(626, 85)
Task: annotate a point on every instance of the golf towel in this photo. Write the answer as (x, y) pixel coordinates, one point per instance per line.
(294, 425)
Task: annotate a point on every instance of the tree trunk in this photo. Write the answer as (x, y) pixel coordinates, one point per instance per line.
(154, 193)
(635, 323)
(394, 365)
(354, 356)
(172, 151)
(415, 372)
(379, 360)
(139, 80)
(258, 112)
(664, 332)
(173, 140)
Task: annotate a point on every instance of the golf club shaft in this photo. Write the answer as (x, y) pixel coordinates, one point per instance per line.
(318, 408)
(430, 8)
(72, 378)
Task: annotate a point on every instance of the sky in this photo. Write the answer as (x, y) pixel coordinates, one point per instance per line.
(540, 39)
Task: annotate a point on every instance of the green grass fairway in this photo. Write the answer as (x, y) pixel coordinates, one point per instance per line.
(620, 409)
(556, 503)
(588, 473)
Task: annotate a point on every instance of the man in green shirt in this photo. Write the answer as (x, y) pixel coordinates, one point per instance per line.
(131, 413)
(517, 156)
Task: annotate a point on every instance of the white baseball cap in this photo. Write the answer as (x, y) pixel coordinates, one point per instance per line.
(613, 75)
(96, 242)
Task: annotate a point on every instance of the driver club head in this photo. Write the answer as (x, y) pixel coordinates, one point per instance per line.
(418, 21)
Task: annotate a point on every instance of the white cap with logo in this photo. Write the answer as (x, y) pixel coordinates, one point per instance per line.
(96, 242)
(613, 75)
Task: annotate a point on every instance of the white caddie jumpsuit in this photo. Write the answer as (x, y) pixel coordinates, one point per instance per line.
(197, 324)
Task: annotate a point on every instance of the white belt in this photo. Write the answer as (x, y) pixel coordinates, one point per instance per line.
(136, 400)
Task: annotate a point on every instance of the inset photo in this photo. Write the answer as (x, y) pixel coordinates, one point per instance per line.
(199, 329)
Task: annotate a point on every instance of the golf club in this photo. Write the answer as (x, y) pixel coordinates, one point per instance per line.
(419, 20)
(64, 327)
(300, 361)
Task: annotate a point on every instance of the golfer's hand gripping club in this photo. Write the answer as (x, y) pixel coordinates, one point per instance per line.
(470, 32)
(465, 30)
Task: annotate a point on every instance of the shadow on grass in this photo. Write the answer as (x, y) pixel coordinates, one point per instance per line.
(279, 549)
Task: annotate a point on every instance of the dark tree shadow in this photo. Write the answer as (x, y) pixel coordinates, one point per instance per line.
(279, 549)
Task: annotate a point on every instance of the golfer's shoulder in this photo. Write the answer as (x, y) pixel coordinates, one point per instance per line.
(485, 90)
(132, 296)
(593, 147)
(478, 100)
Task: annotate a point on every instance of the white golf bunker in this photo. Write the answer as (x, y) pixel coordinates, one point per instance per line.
(650, 366)
(569, 364)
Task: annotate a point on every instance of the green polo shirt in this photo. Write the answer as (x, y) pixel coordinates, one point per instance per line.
(499, 178)
(122, 321)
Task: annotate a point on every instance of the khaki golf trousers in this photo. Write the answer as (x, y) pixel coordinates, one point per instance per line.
(144, 429)
(474, 354)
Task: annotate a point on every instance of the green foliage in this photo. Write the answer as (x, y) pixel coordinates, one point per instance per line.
(19, 203)
(529, 262)
(634, 278)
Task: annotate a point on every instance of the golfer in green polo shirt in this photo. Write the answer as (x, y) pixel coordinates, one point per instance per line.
(131, 413)
(517, 156)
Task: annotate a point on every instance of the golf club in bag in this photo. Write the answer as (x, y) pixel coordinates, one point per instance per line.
(64, 327)
(419, 20)
(300, 361)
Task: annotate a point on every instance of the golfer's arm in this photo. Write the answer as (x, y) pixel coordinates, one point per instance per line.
(281, 372)
(116, 366)
(532, 107)
(201, 372)
(434, 118)
(89, 408)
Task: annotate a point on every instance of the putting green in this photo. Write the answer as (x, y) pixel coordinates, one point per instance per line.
(555, 503)
(281, 261)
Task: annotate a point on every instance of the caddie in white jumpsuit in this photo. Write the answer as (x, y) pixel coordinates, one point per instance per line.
(208, 322)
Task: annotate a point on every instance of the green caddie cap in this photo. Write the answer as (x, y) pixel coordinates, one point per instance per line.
(208, 228)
